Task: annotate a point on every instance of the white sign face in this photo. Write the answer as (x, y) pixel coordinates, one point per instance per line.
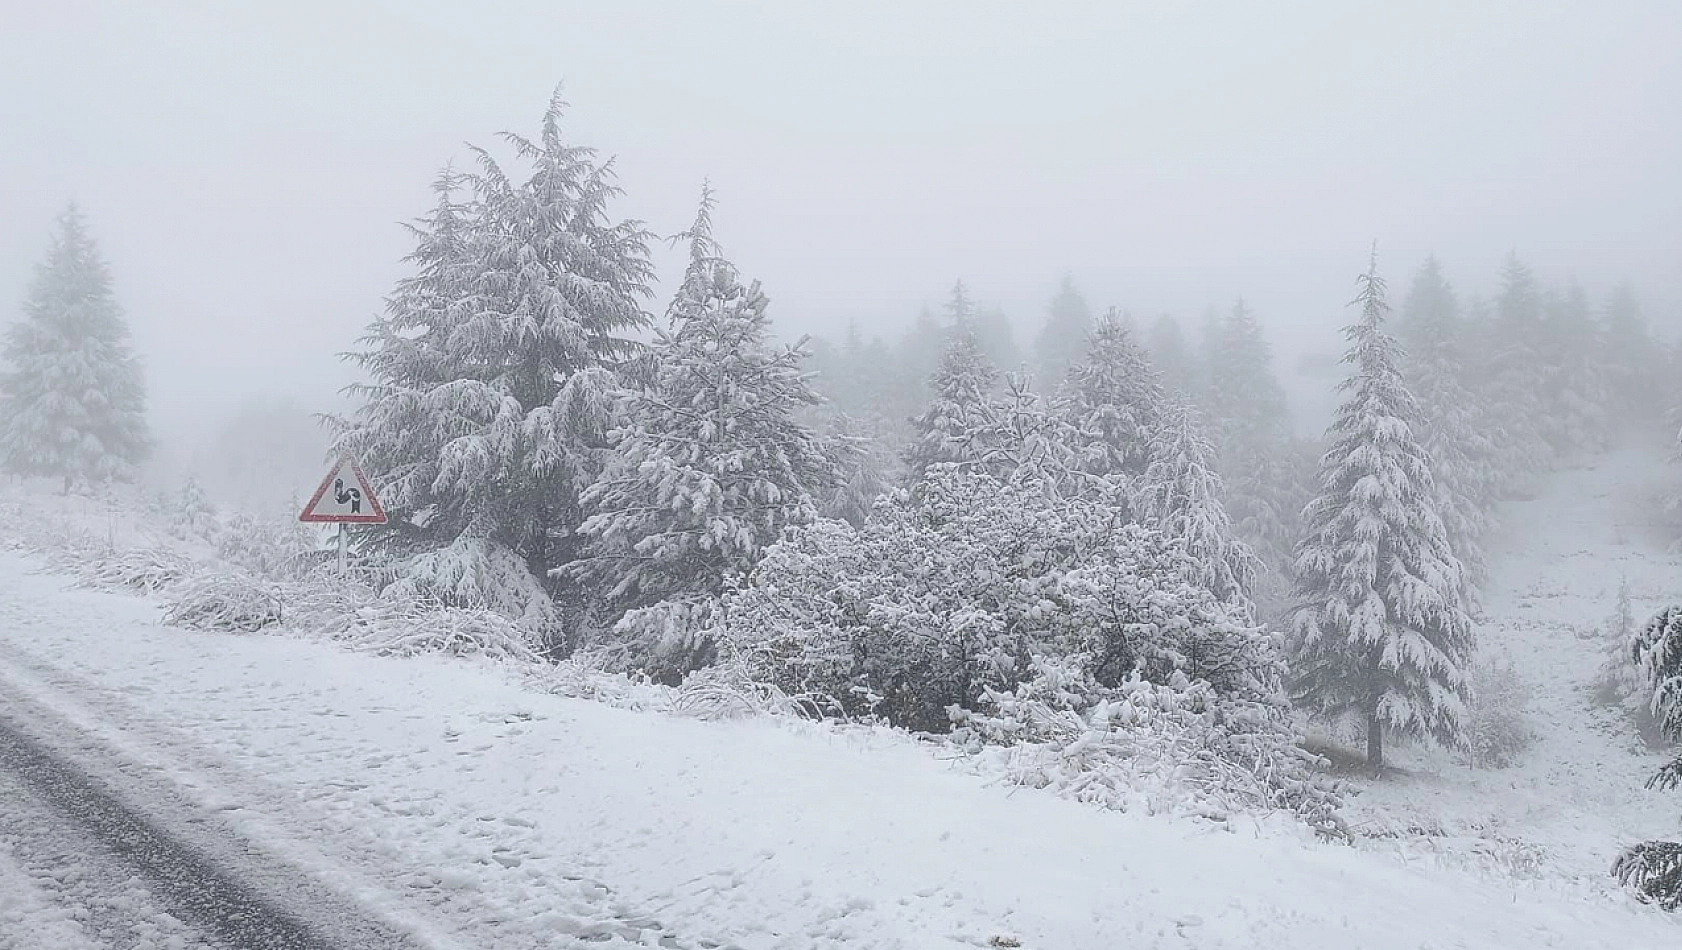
(345, 497)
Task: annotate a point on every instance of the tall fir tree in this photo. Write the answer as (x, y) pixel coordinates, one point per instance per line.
(1514, 368)
(494, 370)
(1062, 340)
(1634, 360)
(1114, 399)
(1245, 403)
(1574, 376)
(1249, 422)
(1382, 636)
(1453, 424)
(963, 387)
(998, 339)
(1180, 494)
(917, 358)
(73, 395)
(1172, 355)
(710, 465)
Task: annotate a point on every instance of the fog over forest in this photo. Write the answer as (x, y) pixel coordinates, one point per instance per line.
(1073, 475)
(245, 168)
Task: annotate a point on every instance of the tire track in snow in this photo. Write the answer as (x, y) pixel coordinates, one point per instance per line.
(102, 726)
(183, 875)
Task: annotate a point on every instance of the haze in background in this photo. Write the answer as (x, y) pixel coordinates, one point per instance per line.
(245, 168)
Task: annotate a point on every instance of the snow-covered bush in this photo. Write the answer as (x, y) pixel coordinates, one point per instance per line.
(456, 631)
(148, 570)
(1498, 724)
(728, 692)
(277, 548)
(193, 513)
(946, 591)
(1154, 747)
(236, 603)
(328, 604)
(664, 641)
(476, 573)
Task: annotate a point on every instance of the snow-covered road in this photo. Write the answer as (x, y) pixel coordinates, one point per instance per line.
(91, 825)
(477, 811)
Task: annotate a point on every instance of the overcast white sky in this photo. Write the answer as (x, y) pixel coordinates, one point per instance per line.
(245, 165)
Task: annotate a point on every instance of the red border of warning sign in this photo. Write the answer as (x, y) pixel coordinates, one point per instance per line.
(375, 515)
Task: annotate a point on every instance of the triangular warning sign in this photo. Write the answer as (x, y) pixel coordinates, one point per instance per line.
(345, 497)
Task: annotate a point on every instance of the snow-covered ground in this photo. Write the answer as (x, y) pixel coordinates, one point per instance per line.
(461, 797)
(1576, 796)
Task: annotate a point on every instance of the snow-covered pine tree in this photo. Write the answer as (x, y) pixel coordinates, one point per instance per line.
(1180, 495)
(1514, 369)
(1062, 339)
(865, 466)
(1245, 404)
(72, 395)
(193, 509)
(494, 370)
(1634, 360)
(998, 339)
(1653, 869)
(916, 360)
(710, 466)
(1022, 435)
(1574, 385)
(1382, 636)
(399, 432)
(1172, 355)
(1453, 425)
(1249, 422)
(963, 387)
(1114, 399)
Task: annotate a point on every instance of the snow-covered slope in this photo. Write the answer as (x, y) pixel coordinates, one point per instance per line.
(457, 792)
(1576, 797)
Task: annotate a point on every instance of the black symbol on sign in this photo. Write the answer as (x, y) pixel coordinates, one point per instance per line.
(351, 495)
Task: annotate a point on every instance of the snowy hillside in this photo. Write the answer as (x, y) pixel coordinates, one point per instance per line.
(468, 799)
(1576, 795)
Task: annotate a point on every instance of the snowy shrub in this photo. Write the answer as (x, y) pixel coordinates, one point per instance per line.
(664, 641)
(192, 513)
(946, 591)
(232, 602)
(581, 678)
(328, 604)
(147, 570)
(395, 622)
(279, 549)
(1155, 747)
(1653, 870)
(728, 692)
(456, 631)
(1498, 724)
(476, 573)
